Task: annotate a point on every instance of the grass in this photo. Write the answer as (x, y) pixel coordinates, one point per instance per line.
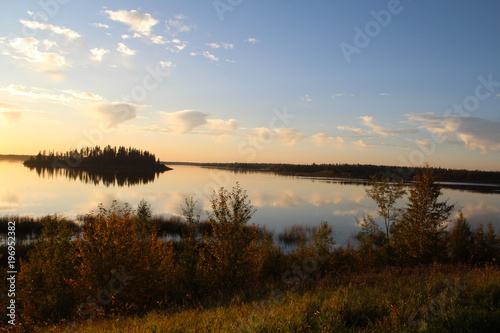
(432, 299)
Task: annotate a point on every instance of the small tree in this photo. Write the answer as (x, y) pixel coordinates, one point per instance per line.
(418, 235)
(227, 258)
(46, 278)
(385, 195)
(460, 240)
(485, 244)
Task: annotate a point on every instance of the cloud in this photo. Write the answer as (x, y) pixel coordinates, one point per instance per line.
(206, 54)
(352, 129)
(28, 49)
(252, 40)
(176, 25)
(323, 139)
(137, 21)
(368, 121)
(361, 144)
(124, 50)
(35, 93)
(100, 25)
(473, 133)
(184, 121)
(289, 137)
(384, 94)
(96, 54)
(221, 130)
(68, 33)
(167, 64)
(306, 98)
(85, 95)
(114, 113)
(10, 116)
(213, 45)
(342, 95)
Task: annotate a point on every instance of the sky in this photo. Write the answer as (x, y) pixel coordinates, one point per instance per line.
(348, 81)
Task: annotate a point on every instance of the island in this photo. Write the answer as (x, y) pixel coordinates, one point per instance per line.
(117, 159)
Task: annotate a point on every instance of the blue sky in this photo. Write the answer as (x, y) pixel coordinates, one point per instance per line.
(381, 82)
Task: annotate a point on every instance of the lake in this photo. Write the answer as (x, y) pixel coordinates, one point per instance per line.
(280, 201)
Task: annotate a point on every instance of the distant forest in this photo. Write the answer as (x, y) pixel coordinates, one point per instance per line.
(359, 171)
(97, 157)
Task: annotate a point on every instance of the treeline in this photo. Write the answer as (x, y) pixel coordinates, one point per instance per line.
(361, 171)
(116, 265)
(97, 157)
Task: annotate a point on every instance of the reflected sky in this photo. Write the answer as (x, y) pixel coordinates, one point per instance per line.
(280, 201)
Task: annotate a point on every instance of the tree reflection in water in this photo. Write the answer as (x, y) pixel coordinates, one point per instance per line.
(98, 176)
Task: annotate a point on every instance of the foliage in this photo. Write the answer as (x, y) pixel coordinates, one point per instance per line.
(419, 234)
(96, 156)
(385, 194)
(460, 240)
(52, 267)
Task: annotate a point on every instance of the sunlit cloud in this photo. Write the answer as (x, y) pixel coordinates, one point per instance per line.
(10, 116)
(185, 121)
(97, 54)
(27, 49)
(35, 93)
(375, 129)
(473, 133)
(206, 54)
(100, 25)
(85, 95)
(68, 33)
(289, 137)
(124, 50)
(385, 94)
(114, 113)
(323, 139)
(137, 21)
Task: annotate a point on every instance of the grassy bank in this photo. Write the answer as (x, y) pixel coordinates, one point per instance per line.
(431, 299)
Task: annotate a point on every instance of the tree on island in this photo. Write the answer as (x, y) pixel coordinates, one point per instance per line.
(89, 157)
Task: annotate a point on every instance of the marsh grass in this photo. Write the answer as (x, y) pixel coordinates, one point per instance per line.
(427, 299)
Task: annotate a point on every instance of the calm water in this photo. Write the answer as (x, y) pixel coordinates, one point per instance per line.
(280, 201)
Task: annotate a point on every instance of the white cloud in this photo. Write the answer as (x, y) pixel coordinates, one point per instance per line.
(252, 40)
(342, 95)
(124, 50)
(210, 56)
(96, 54)
(227, 46)
(114, 113)
(137, 21)
(384, 94)
(306, 98)
(176, 26)
(184, 121)
(361, 144)
(323, 139)
(213, 45)
(68, 33)
(206, 54)
(473, 133)
(167, 64)
(100, 25)
(158, 40)
(28, 49)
